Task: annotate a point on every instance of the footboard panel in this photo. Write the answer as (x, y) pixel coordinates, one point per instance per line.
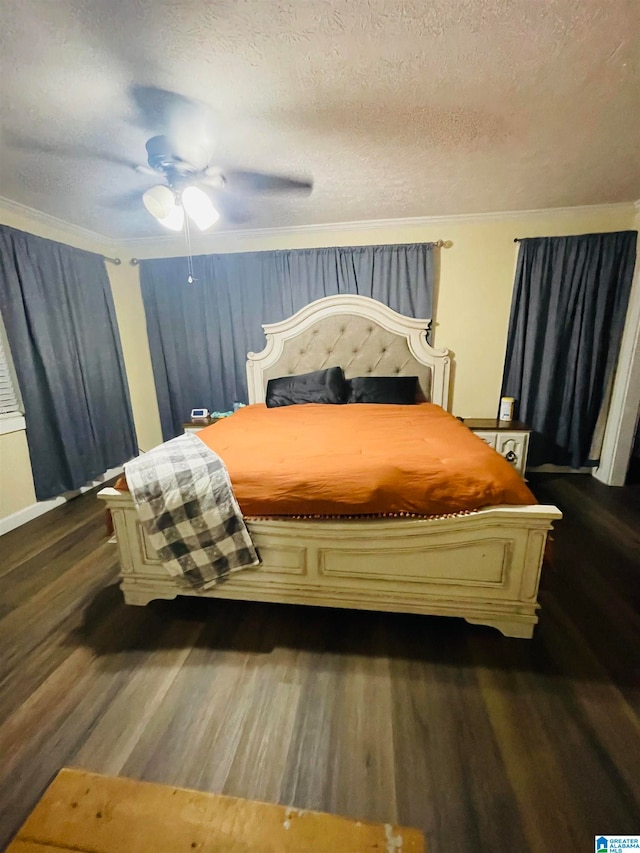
(484, 567)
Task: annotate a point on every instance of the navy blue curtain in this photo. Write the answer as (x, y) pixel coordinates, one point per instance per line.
(200, 333)
(59, 316)
(567, 317)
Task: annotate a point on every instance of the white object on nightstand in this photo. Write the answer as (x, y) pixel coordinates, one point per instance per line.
(199, 416)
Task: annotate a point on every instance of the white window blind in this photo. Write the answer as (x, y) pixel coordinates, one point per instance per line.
(9, 396)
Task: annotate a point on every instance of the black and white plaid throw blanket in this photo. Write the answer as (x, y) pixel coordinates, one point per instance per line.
(186, 505)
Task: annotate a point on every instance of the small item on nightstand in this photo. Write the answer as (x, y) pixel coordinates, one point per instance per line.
(199, 416)
(506, 408)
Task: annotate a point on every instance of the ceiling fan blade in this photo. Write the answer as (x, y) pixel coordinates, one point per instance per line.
(243, 180)
(157, 107)
(75, 151)
(187, 123)
(148, 171)
(212, 178)
(124, 200)
(232, 209)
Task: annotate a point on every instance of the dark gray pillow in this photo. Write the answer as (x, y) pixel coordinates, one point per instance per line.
(398, 390)
(321, 386)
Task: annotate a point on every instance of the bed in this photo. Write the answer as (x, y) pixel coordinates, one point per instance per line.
(483, 566)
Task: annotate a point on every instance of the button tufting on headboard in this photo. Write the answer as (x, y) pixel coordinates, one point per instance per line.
(357, 346)
(370, 341)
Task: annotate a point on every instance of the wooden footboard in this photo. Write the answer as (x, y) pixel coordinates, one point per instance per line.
(484, 567)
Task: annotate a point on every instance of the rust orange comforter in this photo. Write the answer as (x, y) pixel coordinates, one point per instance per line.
(360, 459)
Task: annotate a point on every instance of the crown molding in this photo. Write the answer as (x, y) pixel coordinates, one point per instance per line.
(76, 233)
(224, 240)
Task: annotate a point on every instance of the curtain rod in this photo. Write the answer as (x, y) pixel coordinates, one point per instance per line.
(437, 244)
(115, 261)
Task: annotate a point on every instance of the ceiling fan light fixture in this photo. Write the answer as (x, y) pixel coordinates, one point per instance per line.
(175, 220)
(159, 201)
(162, 204)
(199, 207)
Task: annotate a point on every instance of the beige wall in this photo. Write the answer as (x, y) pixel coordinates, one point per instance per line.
(16, 480)
(473, 302)
(125, 285)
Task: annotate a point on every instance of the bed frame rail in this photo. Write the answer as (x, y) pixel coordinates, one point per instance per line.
(484, 567)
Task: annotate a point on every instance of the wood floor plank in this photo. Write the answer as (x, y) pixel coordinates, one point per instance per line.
(32, 622)
(26, 542)
(482, 742)
(611, 720)
(200, 720)
(449, 763)
(309, 761)
(259, 762)
(113, 739)
(28, 577)
(543, 792)
(362, 777)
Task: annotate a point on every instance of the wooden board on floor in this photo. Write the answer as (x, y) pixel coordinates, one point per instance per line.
(90, 813)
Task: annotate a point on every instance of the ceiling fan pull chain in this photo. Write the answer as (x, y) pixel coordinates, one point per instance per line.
(187, 233)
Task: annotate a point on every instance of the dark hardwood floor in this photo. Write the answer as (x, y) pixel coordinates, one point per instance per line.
(482, 742)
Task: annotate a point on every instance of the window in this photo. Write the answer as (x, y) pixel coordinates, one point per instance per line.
(11, 418)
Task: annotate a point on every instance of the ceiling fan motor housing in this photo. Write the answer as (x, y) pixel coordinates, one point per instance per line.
(162, 159)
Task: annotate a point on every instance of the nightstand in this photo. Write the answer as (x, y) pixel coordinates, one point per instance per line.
(191, 427)
(509, 438)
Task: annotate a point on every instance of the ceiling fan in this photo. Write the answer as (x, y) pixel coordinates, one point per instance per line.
(181, 155)
(179, 158)
(187, 186)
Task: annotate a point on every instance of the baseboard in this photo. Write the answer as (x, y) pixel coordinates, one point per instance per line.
(22, 516)
(548, 468)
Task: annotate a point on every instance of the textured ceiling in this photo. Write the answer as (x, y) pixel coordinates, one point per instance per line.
(396, 108)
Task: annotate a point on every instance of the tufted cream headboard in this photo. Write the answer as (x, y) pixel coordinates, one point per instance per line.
(364, 337)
